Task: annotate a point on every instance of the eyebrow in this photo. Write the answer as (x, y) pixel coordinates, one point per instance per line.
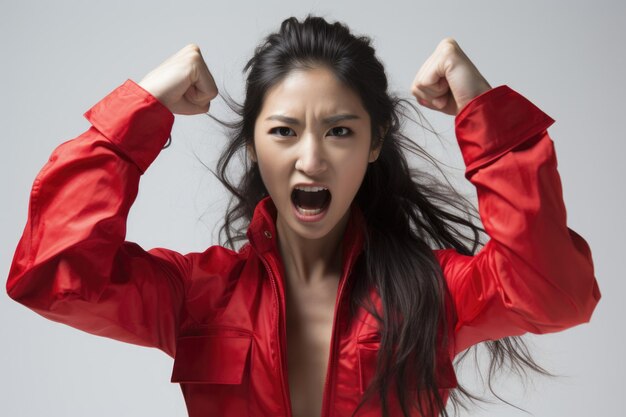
(328, 120)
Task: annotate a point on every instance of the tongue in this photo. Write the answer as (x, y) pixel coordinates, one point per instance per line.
(311, 200)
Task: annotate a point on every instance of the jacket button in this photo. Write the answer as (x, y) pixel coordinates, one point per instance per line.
(267, 234)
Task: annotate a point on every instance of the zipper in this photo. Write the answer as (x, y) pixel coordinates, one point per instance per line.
(330, 369)
(282, 346)
(331, 363)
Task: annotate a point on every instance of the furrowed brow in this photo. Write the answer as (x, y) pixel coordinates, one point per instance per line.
(328, 120)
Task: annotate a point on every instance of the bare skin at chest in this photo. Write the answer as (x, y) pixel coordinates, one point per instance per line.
(310, 312)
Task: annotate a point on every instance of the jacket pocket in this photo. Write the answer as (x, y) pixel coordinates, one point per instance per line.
(219, 356)
(368, 346)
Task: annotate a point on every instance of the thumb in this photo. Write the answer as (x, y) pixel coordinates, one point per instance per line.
(196, 96)
(187, 108)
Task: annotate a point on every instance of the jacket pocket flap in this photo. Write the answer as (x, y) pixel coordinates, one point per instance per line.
(211, 359)
(368, 347)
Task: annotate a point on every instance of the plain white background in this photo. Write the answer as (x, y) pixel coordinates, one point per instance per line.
(60, 58)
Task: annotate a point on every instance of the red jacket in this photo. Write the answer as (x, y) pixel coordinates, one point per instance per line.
(221, 313)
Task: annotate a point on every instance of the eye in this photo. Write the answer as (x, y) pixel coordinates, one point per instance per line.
(338, 132)
(282, 131)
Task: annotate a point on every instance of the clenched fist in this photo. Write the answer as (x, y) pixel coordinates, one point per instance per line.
(183, 82)
(448, 80)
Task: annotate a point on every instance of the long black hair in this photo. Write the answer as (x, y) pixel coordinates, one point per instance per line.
(418, 212)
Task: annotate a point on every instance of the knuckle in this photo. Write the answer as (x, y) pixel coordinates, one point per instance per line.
(415, 90)
(448, 45)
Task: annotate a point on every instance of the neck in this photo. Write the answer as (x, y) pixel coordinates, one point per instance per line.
(311, 261)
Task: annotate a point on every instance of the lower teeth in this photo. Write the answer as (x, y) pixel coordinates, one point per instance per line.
(309, 212)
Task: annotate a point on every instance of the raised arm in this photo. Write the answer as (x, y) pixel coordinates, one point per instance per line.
(72, 264)
(535, 274)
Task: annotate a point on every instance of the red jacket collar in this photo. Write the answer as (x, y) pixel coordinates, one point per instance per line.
(262, 230)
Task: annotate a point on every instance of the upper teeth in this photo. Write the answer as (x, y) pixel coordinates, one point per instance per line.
(310, 189)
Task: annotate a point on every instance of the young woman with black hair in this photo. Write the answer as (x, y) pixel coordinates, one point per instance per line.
(360, 278)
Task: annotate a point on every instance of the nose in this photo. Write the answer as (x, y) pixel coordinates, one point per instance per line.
(311, 159)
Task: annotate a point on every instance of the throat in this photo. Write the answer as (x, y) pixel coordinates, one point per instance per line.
(308, 260)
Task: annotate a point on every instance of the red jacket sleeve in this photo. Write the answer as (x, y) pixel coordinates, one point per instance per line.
(534, 274)
(72, 264)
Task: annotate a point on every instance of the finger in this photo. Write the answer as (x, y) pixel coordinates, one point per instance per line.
(431, 80)
(418, 83)
(440, 102)
(207, 90)
(205, 83)
(187, 108)
(429, 83)
(439, 88)
(196, 98)
(426, 103)
(434, 95)
(193, 95)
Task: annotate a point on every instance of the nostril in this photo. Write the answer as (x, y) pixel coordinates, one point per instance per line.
(313, 166)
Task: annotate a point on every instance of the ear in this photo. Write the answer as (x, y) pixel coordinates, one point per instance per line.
(374, 153)
(251, 152)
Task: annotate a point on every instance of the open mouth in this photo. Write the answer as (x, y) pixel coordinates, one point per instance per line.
(311, 202)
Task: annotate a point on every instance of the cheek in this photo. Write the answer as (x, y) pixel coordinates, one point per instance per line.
(352, 171)
(272, 168)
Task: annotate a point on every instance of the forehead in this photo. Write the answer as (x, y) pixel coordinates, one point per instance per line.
(311, 91)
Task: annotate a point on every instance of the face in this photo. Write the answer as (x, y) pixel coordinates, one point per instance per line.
(312, 129)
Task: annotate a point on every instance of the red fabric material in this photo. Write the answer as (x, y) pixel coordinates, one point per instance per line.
(220, 313)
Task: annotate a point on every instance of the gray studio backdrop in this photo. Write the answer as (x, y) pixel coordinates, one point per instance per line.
(60, 58)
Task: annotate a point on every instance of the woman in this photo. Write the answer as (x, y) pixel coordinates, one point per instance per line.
(355, 287)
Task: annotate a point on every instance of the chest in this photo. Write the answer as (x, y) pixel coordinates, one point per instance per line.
(309, 322)
(233, 364)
